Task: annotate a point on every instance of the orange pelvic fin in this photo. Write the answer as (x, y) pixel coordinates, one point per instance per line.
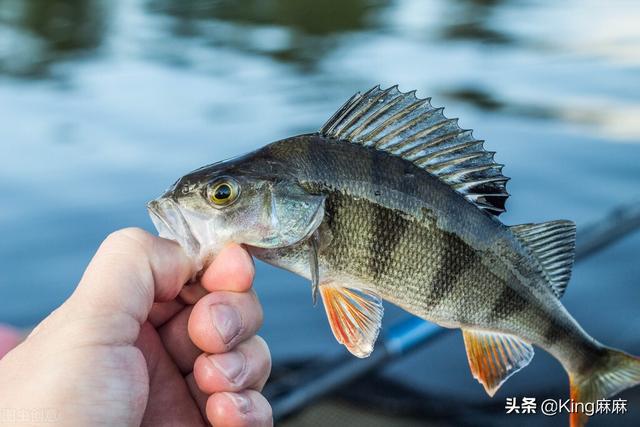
(494, 357)
(355, 316)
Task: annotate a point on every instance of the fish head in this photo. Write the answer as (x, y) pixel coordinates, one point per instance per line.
(250, 200)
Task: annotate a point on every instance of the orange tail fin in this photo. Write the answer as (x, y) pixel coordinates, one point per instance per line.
(615, 372)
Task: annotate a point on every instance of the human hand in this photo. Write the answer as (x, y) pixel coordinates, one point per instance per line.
(122, 350)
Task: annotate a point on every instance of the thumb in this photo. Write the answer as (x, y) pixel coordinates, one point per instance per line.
(131, 270)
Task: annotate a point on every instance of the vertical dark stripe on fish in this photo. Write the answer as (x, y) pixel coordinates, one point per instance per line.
(387, 233)
(387, 230)
(451, 271)
(509, 303)
(377, 225)
(553, 334)
(377, 261)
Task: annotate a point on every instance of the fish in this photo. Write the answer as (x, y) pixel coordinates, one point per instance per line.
(391, 200)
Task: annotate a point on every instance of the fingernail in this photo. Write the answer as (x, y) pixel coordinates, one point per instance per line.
(240, 401)
(226, 320)
(229, 364)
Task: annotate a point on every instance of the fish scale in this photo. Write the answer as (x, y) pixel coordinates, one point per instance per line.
(392, 200)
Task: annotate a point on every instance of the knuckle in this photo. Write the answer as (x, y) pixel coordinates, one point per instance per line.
(133, 233)
(127, 237)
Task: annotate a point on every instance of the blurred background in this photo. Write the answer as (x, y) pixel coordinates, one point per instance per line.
(104, 103)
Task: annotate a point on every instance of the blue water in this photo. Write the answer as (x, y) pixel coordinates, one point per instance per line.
(104, 104)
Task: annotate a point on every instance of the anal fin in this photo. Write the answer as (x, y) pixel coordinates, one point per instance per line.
(355, 317)
(494, 357)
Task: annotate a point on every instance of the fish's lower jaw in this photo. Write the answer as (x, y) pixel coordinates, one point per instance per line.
(195, 236)
(171, 224)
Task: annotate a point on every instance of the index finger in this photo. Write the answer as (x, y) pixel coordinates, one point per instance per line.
(232, 270)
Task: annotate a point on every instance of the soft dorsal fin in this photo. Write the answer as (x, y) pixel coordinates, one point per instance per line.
(355, 316)
(553, 244)
(403, 125)
(494, 357)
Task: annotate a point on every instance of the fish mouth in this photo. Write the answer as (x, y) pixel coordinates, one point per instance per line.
(171, 224)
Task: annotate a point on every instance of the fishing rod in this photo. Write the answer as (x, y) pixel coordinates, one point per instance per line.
(298, 389)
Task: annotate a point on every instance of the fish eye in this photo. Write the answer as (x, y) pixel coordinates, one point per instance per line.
(223, 192)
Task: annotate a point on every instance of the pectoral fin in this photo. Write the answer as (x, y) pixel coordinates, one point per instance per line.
(494, 357)
(355, 317)
(313, 265)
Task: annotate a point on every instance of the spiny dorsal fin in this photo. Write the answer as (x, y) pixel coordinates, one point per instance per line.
(494, 357)
(553, 244)
(403, 125)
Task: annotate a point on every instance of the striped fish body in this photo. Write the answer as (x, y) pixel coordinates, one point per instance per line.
(391, 200)
(405, 235)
